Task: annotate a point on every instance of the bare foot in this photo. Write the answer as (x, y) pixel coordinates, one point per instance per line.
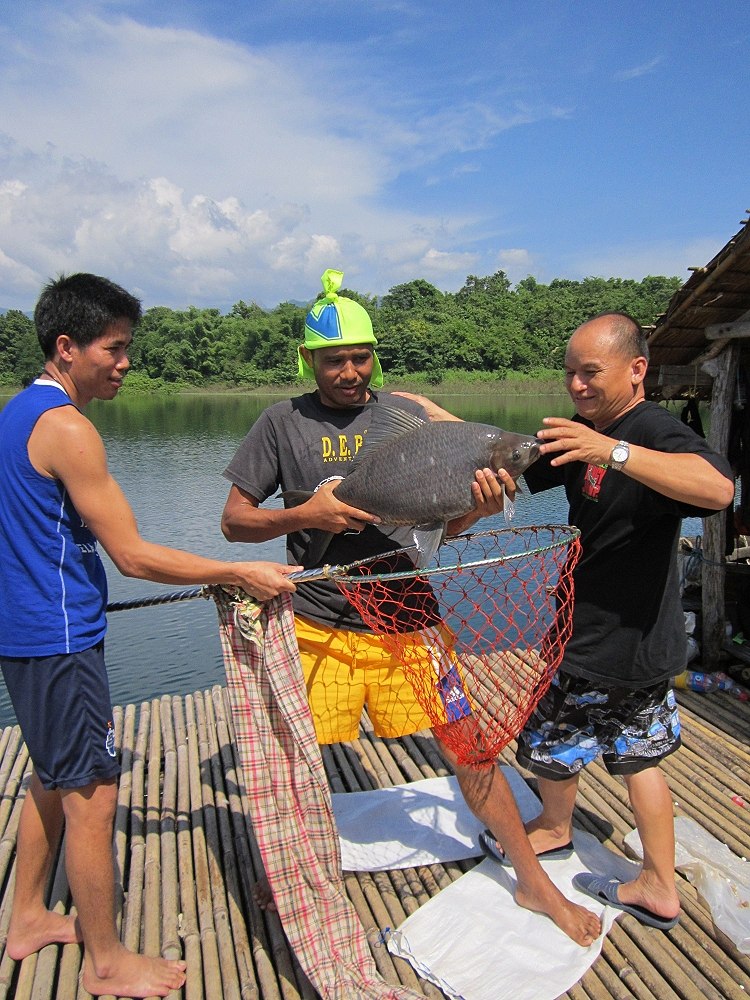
(263, 896)
(131, 975)
(51, 928)
(652, 895)
(580, 924)
(542, 839)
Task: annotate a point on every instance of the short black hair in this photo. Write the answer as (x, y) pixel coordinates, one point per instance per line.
(81, 306)
(627, 333)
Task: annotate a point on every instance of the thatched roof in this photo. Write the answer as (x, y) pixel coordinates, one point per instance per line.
(714, 295)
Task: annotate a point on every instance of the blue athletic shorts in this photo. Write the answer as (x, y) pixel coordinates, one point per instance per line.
(578, 719)
(63, 707)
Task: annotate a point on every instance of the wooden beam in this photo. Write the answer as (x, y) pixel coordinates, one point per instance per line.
(684, 374)
(737, 330)
(714, 533)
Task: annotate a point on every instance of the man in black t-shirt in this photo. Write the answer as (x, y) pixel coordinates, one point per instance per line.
(631, 472)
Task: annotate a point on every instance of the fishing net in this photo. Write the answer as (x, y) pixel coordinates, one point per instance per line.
(480, 634)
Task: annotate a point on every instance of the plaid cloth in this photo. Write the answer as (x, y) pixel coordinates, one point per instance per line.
(290, 800)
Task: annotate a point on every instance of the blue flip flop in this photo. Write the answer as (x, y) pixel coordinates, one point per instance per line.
(491, 848)
(606, 891)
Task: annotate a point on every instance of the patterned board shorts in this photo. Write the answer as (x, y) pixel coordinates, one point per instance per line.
(576, 721)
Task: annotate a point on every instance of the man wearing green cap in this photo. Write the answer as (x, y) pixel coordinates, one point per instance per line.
(307, 444)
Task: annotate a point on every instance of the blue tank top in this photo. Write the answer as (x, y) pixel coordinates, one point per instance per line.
(53, 587)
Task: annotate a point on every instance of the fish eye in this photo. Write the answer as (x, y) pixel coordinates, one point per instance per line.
(516, 455)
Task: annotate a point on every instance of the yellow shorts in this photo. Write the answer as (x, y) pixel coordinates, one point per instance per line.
(344, 671)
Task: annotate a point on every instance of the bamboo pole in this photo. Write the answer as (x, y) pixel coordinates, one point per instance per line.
(263, 944)
(132, 919)
(125, 738)
(13, 795)
(189, 928)
(215, 902)
(208, 936)
(374, 919)
(220, 757)
(170, 938)
(13, 748)
(151, 917)
(170, 946)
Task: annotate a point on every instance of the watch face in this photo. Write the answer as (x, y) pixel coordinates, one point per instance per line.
(619, 454)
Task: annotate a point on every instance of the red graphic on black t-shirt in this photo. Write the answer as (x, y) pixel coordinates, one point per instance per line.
(592, 481)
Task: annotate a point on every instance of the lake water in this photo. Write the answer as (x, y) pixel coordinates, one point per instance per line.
(168, 454)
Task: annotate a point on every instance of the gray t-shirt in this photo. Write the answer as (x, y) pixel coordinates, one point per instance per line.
(295, 445)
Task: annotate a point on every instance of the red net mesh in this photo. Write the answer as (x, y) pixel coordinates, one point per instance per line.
(481, 633)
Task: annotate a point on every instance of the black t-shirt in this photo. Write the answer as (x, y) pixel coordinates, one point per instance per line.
(296, 444)
(628, 627)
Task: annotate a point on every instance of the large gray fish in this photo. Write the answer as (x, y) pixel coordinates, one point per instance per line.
(419, 473)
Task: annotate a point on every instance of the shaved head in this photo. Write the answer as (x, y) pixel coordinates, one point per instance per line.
(622, 332)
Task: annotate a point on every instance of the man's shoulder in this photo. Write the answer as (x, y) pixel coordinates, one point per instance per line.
(69, 421)
(399, 402)
(304, 403)
(649, 409)
(647, 418)
(36, 401)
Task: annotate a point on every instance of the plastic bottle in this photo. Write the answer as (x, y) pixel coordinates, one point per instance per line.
(725, 683)
(696, 680)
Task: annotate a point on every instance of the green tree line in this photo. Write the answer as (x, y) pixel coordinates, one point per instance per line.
(486, 330)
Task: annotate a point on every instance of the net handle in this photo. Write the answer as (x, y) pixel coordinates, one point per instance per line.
(342, 573)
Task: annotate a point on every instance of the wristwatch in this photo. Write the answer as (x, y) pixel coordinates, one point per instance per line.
(620, 455)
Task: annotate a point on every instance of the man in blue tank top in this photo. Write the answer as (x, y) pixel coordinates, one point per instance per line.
(59, 501)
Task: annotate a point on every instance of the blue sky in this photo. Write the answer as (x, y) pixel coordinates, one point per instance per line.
(206, 152)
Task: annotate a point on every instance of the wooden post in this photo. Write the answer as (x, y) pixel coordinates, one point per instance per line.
(724, 370)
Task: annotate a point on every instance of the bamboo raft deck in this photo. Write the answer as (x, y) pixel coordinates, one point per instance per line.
(187, 859)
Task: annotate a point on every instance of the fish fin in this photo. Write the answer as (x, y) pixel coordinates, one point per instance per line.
(428, 538)
(316, 547)
(295, 498)
(387, 422)
(319, 540)
(509, 506)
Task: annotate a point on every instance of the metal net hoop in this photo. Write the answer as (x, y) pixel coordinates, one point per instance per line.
(480, 633)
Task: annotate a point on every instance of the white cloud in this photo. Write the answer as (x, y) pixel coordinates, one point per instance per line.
(437, 264)
(637, 71)
(171, 160)
(516, 263)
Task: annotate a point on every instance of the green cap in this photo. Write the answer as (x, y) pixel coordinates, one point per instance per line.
(335, 320)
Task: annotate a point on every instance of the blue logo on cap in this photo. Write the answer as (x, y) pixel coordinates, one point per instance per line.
(325, 323)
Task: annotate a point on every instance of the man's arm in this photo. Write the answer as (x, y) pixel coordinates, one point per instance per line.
(66, 446)
(431, 408)
(687, 478)
(244, 520)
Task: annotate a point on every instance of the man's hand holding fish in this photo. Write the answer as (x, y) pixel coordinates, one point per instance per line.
(326, 512)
